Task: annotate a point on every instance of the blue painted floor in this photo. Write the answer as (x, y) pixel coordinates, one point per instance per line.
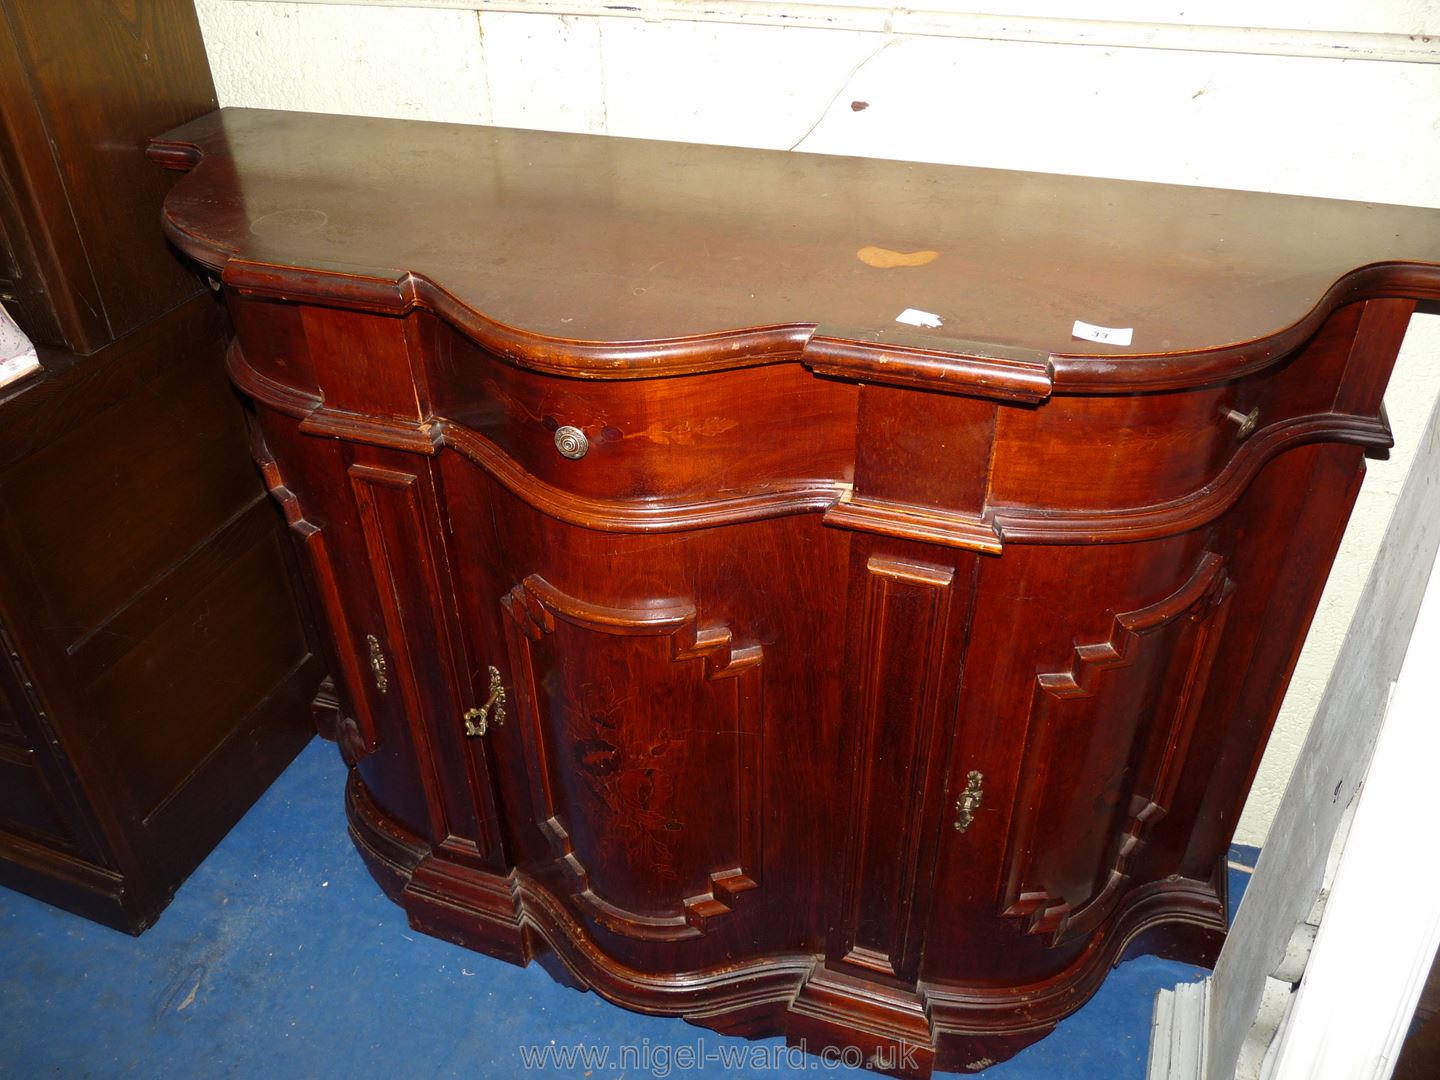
(280, 958)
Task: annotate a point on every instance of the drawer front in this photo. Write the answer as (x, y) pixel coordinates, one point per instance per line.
(714, 436)
(1116, 453)
(708, 447)
(1098, 453)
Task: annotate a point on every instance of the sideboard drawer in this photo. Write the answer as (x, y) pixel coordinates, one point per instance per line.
(691, 437)
(1138, 453)
(1109, 452)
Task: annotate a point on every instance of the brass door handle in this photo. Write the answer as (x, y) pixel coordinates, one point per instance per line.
(478, 721)
(378, 667)
(969, 800)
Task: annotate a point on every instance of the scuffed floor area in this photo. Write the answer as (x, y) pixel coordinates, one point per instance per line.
(280, 958)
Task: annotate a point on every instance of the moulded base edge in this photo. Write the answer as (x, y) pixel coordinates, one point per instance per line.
(904, 1033)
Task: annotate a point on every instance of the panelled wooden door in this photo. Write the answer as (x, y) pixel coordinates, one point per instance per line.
(1126, 704)
(373, 532)
(642, 736)
(907, 616)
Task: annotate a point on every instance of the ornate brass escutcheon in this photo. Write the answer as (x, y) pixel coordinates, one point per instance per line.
(377, 664)
(969, 800)
(478, 721)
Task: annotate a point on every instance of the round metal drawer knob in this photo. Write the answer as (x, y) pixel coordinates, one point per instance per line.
(571, 442)
(1244, 422)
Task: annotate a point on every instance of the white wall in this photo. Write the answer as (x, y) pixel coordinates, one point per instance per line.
(1197, 104)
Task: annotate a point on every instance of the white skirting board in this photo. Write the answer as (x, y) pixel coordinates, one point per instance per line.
(1377, 907)
(1381, 926)
(1176, 1029)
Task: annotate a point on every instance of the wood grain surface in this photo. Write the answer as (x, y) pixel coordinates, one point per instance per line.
(580, 238)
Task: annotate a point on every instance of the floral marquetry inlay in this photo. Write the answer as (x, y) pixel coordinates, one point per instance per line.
(631, 774)
(627, 712)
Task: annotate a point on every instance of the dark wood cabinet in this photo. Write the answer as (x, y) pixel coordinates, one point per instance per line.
(158, 662)
(82, 86)
(744, 654)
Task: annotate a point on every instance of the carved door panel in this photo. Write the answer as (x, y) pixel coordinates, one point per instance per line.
(422, 654)
(357, 731)
(906, 658)
(372, 531)
(1105, 743)
(642, 734)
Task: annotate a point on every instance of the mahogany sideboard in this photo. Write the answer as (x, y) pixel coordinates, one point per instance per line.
(743, 653)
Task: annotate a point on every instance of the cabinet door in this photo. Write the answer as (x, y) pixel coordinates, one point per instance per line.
(380, 563)
(416, 653)
(1104, 744)
(908, 613)
(641, 731)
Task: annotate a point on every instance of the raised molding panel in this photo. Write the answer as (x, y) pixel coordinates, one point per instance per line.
(356, 732)
(422, 654)
(426, 664)
(389, 496)
(902, 701)
(628, 731)
(1066, 700)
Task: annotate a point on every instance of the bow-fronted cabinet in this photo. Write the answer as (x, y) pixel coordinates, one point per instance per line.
(742, 654)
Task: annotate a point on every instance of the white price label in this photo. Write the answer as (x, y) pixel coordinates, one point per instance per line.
(1105, 335)
(915, 317)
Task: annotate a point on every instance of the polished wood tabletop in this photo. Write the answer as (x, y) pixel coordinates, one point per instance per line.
(600, 239)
